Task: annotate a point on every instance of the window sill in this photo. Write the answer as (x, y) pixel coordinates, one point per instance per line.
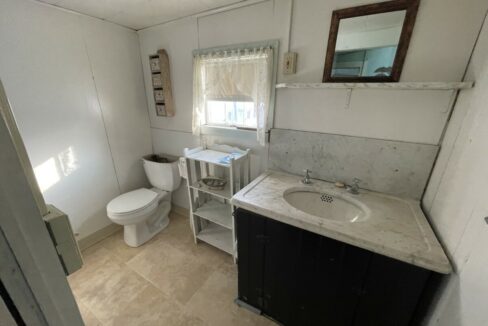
(230, 132)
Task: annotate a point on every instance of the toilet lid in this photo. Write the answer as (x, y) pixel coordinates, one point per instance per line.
(132, 201)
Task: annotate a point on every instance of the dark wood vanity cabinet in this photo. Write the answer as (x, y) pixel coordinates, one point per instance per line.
(301, 278)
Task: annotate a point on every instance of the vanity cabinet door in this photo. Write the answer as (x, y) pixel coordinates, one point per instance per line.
(308, 276)
(300, 278)
(391, 292)
(280, 277)
(251, 239)
(330, 278)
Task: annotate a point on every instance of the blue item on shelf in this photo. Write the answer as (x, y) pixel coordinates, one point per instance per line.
(228, 158)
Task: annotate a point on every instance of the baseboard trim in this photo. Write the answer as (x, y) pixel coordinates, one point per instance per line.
(247, 306)
(98, 236)
(110, 229)
(180, 210)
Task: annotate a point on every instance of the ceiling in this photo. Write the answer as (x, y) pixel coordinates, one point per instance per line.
(138, 14)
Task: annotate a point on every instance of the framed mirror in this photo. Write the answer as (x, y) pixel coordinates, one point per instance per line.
(369, 43)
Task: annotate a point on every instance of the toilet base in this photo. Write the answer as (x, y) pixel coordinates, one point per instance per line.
(136, 235)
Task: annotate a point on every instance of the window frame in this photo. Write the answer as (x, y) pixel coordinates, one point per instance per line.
(225, 130)
(220, 125)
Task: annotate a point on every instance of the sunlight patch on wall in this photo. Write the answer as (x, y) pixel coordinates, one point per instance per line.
(68, 161)
(47, 174)
(50, 172)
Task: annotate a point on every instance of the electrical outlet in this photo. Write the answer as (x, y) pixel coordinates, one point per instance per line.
(290, 63)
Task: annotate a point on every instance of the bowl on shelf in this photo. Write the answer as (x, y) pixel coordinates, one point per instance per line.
(214, 183)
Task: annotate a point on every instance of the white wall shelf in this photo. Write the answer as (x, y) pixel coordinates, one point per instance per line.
(211, 216)
(224, 193)
(216, 212)
(214, 157)
(390, 86)
(218, 237)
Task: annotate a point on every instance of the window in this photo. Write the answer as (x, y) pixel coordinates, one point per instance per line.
(233, 88)
(241, 114)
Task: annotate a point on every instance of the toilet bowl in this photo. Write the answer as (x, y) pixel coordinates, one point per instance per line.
(144, 212)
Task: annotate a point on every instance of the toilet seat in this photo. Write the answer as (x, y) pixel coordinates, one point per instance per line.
(131, 201)
(134, 205)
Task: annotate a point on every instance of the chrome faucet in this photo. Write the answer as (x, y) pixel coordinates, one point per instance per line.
(306, 179)
(354, 188)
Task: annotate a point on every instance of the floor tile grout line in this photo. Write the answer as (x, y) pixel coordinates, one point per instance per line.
(183, 306)
(90, 311)
(167, 296)
(212, 259)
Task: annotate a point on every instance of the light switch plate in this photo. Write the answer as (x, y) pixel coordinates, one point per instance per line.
(290, 63)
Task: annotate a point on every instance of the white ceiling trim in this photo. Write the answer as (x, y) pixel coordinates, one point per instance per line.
(123, 12)
(209, 12)
(39, 2)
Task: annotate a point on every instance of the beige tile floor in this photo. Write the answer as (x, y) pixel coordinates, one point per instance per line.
(167, 281)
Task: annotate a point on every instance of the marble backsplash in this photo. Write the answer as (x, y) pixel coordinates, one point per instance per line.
(393, 167)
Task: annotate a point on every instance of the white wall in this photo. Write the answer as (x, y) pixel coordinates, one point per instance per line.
(456, 200)
(116, 66)
(443, 37)
(180, 38)
(412, 116)
(409, 116)
(75, 86)
(415, 116)
(439, 51)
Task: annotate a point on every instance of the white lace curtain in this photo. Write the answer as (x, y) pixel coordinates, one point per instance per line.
(233, 75)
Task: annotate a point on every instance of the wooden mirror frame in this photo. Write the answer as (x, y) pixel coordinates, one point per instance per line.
(411, 7)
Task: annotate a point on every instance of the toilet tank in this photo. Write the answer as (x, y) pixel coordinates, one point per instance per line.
(162, 171)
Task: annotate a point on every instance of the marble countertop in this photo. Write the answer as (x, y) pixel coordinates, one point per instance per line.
(396, 227)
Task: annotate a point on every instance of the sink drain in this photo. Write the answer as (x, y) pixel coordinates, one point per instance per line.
(326, 198)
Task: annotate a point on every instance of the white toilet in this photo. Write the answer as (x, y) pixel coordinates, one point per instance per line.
(144, 212)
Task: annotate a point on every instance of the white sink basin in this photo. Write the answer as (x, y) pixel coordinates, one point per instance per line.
(326, 205)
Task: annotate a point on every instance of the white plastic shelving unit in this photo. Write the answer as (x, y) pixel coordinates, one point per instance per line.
(211, 214)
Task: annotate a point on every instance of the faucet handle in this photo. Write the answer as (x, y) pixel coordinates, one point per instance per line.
(306, 179)
(354, 188)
